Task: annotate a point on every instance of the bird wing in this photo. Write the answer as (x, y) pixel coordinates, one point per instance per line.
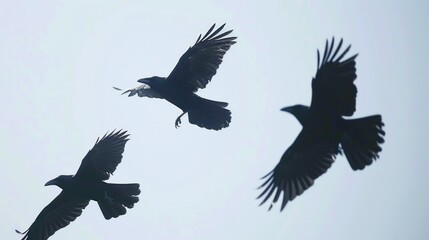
(200, 62)
(142, 90)
(63, 210)
(297, 170)
(333, 87)
(104, 157)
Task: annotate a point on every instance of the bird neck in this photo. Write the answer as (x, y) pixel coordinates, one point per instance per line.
(303, 117)
(65, 183)
(302, 114)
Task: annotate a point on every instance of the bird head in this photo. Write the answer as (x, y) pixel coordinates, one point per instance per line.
(60, 181)
(299, 111)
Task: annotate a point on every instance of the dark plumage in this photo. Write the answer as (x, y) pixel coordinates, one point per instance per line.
(194, 71)
(87, 184)
(324, 130)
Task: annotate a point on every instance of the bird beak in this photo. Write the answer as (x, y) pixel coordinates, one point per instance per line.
(143, 80)
(286, 109)
(52, 182)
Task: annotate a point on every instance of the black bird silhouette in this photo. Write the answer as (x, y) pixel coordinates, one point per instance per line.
(194, 71)
(324, 129)
(87, 184)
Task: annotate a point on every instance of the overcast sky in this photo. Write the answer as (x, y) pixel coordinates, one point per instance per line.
(59, 61)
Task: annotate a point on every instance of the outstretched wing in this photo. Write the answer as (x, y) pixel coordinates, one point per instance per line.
(333, 89)
(63, 210)
(104, 157)
(297, 170)
(142, 90)
(200, 62)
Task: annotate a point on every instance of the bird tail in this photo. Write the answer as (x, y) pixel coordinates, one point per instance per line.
(209, 114)
(118, 196)
(361, 141)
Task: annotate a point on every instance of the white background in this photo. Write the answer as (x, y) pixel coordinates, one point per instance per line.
(59, 61)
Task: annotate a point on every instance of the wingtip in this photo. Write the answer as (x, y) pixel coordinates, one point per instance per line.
(22, 233)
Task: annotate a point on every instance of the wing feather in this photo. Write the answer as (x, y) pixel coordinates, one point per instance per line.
(63, 210)
(333, 89)
(101, 161)
(297, 170)
(199, 63)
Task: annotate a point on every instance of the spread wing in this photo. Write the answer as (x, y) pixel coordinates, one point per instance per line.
(63, 210)
(297, 170)
(104, 157)
(200, 62)
(142, 90)
(333, 89)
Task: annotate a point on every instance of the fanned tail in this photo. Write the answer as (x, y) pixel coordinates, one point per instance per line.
(209, 114)
(117, 198)
(361, 141)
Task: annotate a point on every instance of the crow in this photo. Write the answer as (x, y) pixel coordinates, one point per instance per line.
(87, 184)
(325, 132)
(194, 71)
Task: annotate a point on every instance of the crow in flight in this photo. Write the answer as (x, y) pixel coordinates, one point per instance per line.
(324, 129)
(87, 184)
(194, 71)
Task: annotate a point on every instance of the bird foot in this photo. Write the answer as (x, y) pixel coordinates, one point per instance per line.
(178, 122)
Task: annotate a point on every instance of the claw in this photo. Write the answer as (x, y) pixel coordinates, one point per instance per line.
(178, 121)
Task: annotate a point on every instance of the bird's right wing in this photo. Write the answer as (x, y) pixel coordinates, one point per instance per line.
(104, 157)
(63, 210)
(142, 90)
(333, 89)
(297, 171)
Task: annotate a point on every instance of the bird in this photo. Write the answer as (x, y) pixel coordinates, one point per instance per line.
(86, 185)
(194, 71)
(325, 132)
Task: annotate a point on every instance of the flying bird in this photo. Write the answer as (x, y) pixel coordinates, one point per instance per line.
(194, 71)
(325, 133)
(87, 184)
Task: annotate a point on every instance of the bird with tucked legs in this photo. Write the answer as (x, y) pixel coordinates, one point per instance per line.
(325, 133)
(86, 185)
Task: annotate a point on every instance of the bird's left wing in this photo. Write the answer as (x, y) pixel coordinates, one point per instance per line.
(104, 157)
(63, 210)
(200, 62)
(142, 90)
(296, 171)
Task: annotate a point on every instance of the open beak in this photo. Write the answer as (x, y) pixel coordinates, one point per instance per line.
(52, 182)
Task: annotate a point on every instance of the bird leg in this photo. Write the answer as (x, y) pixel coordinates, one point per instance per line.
(178, 122)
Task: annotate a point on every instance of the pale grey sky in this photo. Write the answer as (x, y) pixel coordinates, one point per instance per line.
(60, 59)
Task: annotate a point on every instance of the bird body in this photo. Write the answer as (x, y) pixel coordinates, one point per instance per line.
(87, 184)
(325, 133)
(93, 190)
(194, 71)
(181, 99)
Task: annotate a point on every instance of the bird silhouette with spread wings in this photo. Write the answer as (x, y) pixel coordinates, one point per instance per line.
(194, 71)
(87, 184)
(325, 132)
